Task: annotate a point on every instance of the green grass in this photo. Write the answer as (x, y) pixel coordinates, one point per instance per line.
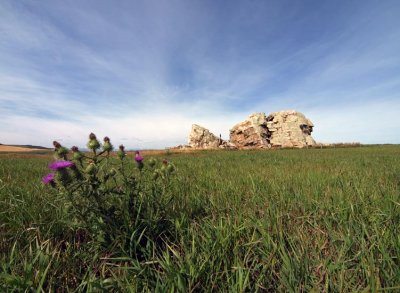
(323, 220)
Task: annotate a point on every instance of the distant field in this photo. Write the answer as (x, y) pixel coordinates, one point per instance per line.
(308, 220)
(7, 148)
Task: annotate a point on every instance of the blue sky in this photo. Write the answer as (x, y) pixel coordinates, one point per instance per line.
(142, 72)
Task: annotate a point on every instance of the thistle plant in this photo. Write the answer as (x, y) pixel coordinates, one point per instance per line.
(113, 197)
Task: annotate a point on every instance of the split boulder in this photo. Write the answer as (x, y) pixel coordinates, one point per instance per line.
(251, 133)
(202, 138)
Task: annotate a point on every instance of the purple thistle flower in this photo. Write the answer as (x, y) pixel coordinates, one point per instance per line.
(138, 158)
(48, 178)
(61, 165)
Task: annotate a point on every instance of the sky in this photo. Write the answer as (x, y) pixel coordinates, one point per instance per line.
(142, 72)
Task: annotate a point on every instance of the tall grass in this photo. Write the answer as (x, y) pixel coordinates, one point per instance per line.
(323, 220)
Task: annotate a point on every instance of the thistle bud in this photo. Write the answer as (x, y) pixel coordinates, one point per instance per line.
(107, 146)
(163, 169)
(56, 144)
(91, 169)
(77, 155)
(170, 168)
(62, 152)
(152, 162)
(112, 172)
(156, 174)
(121, 152)
(93, 143)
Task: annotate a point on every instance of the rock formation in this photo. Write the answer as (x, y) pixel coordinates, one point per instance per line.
(279, 129)
(201, 137)
(251, 133)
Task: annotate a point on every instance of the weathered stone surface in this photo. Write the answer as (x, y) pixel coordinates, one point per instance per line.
(251, 133)
(290, 129)
(202, 138)
(279, 129)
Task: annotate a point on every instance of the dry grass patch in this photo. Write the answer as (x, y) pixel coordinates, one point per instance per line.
(7, 148)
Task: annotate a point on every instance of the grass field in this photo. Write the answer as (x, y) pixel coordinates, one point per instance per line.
(322, 220)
